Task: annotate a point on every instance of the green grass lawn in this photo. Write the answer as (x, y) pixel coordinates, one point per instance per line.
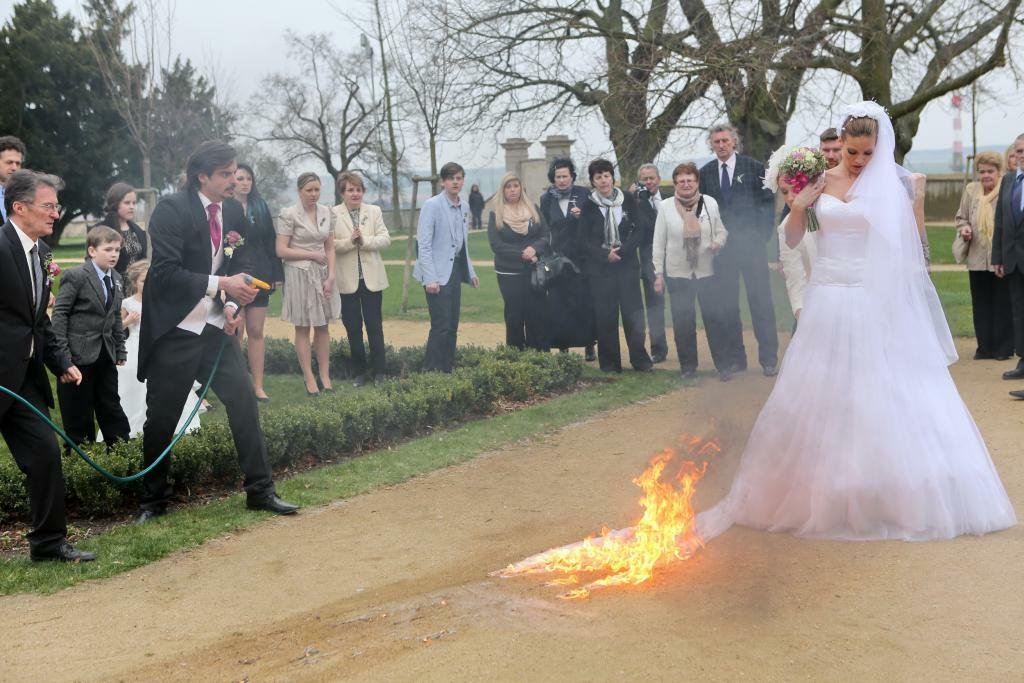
(940, 240)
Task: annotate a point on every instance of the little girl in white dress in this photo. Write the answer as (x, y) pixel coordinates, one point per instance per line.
(129, 388)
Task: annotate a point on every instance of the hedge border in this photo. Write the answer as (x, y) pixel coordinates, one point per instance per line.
(342, 425)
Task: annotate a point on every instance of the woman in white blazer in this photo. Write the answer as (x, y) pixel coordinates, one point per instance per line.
(359, 237)
(687, 234)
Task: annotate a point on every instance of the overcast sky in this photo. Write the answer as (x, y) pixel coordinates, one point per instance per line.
(242, 40)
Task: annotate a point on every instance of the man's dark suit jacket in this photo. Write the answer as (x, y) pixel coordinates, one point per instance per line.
(751, 208)
(22, 323)
(82, 322)
(182, 262)
(1008, 236)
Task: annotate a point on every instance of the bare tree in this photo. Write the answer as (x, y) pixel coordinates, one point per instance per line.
(431, 92)
(650, 67)
(547, 61)
(905, 55)
(132, 47)
(324, 112)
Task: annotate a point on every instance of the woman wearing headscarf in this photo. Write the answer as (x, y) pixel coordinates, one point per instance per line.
(570, 310)
(990, 295)
(610, 239)
(518, 239)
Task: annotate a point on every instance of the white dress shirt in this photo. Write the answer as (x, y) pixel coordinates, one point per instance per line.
(206, 312)
(27, 243)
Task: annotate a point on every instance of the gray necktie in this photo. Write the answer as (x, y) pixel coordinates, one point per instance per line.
(37, 274)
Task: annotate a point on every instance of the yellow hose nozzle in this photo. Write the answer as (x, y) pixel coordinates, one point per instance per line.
(256, 282)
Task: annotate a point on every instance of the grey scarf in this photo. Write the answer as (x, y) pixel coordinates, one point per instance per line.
(611, 226)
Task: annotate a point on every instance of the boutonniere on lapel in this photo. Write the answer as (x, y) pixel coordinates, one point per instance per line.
(739, 179)
(51, 268)
(235, 241)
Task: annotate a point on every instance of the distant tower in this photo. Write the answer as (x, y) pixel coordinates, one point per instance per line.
(958, 135)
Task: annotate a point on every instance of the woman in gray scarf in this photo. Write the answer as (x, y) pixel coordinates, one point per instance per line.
(610, 239)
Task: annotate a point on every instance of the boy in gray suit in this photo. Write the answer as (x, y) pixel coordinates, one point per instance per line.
(87, 324)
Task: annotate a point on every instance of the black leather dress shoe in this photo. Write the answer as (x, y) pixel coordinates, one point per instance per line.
(359, 381)
(724, 375)
(65, 552)
(658, 358)
(589, 355)
(1018, 393)
(273, 504)
(1016, 373)
(688, 374)
(147, 515)
(771, 370)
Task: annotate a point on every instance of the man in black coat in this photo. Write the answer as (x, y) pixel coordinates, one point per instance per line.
(1008, 251)
(748, 211)
(184, 323)
(648, 197)
(27, 347)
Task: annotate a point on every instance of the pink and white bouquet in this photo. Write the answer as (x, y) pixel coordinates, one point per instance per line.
(797, 167)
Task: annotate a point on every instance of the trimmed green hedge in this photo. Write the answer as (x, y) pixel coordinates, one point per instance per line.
(332, 426)
(280, 359)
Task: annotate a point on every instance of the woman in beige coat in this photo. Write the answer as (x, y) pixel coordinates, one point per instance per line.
(990, 295)
(359, 237)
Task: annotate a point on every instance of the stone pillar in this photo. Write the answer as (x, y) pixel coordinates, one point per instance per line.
(517, 150)
(557, 146)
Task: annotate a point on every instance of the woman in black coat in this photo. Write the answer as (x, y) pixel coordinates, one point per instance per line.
(518, 239)
(119, 214)
(260, 237)
(610, 240)
(571, 315)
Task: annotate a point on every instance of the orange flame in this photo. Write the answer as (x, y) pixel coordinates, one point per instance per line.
(664, 533)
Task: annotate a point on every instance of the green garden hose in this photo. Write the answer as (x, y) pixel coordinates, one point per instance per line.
(96, 466)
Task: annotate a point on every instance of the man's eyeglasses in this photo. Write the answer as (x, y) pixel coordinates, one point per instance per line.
(49, 207)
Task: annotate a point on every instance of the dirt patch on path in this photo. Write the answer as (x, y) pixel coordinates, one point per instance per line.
(393, 585)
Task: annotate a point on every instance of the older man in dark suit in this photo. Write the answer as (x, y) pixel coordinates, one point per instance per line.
(648, 197)
(1008, 251)
(185, 321)
(27, 348)
(735, 181)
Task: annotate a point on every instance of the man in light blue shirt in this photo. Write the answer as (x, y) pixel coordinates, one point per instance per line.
(12, 156)
(443, 264)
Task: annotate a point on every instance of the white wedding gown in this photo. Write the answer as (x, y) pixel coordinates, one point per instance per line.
(133, 392)
(851, 444)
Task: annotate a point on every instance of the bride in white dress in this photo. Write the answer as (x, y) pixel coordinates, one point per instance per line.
(864, 435)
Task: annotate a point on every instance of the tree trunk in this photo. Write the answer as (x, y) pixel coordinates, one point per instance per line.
(147, 170)
(396, 199)
(436, 182)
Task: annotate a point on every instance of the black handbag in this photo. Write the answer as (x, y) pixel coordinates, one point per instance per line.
(550, 269)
